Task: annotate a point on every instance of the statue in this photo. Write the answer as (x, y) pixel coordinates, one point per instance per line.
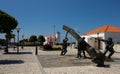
(64, 46)
(81, 48)
(96, 55)
(109, 47)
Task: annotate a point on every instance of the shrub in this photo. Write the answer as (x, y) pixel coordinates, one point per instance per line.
(56, 47)
(47, 47)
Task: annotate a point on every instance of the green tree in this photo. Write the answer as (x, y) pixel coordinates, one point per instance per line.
(7, 24)
(10, 36)
(41, 39)
(26, 40)
(33, 38)
(13, 36)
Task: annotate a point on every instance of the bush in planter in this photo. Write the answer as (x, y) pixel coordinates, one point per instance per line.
(56, 47)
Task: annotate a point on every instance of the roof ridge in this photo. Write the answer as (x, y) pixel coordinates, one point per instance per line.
(107, 28)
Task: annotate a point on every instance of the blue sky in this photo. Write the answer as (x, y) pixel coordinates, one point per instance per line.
(38, 17)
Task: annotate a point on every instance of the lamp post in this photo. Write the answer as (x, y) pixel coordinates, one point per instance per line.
(97, 33)
(22, 45)
(18, 30)
(98, 40)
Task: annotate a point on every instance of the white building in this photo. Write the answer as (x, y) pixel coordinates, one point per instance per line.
(52, 39)
(103, 32)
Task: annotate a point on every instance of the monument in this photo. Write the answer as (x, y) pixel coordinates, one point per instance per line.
(96, 55)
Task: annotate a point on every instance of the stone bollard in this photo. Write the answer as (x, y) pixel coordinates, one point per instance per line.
(36, 50)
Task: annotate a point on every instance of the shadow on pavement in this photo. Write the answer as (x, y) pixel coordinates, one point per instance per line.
(11, 61)
(48, 61)
(51, 49)
(19, 53)
(116, 58)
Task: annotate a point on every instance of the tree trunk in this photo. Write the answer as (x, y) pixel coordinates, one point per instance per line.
(7, 41)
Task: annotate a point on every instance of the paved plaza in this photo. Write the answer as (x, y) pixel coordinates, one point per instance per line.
(50, 62)
(53, 63)
(23, 63)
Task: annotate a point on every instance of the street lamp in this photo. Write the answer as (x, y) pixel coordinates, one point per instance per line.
(97, 33)
(22, 45)
(98, 42)
(18, 30)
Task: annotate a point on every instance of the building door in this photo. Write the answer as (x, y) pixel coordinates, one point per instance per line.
(94, 42)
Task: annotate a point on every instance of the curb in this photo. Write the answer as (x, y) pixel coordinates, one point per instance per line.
(40, 66)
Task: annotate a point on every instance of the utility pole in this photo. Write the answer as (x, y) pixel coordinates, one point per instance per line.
(54, 30)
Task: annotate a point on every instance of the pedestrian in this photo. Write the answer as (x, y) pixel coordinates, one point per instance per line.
(81, 48)
(64, 46)
(109, 47)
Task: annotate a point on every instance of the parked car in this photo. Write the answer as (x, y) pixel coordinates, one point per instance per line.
(2, 47)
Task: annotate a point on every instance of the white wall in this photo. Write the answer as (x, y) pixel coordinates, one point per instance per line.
(92, 35)
(117, 47)
(114, 35)
(57, 37)
(54, 40)
(101, 35)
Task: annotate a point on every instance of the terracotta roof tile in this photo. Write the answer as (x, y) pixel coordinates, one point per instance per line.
(106, 28)
(50, 36)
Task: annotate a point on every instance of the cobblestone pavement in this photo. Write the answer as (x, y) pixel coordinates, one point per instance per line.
(53, 63)
(26, 63)
(23, 63)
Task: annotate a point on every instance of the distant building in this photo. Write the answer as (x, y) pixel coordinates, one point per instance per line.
(103, 32)
(52, 39)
